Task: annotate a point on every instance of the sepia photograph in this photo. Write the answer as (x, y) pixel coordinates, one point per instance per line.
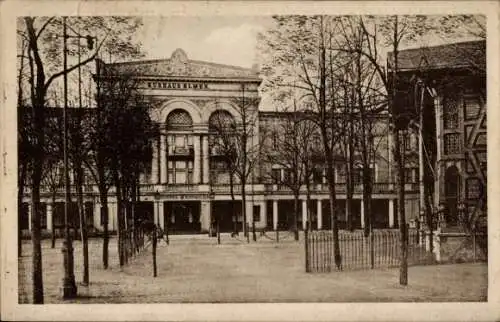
(289, 157)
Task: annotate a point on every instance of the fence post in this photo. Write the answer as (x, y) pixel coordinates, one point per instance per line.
(372, 248)
(218, 232)
(277, 235)
(474, 246)
(253, 231)
(154, 253)
(306, 245)
(248, 234)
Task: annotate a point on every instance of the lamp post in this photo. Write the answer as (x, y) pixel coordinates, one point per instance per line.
(69, 285)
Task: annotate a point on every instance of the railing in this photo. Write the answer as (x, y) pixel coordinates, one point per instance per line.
(378, 187)
(226, 188)
(180, 187)
(381, 250)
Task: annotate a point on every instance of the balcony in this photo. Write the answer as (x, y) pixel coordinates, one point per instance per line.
(378, 188)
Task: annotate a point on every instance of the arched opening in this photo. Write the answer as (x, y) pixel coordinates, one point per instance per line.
(452, 182)
(221, 126)
(179, 120)
(221, 120)
(179, 149)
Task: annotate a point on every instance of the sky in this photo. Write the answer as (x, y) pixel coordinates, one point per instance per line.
(228, 40)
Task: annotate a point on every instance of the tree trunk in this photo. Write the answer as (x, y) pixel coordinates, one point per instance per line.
(37, 168)
(335, 228)
(308, 203)
(53, 228)
(20, 194)
(400, 191)
(83, 223)
(295, 213)
(103, 198)
(235, 217)
(36, 236)
(119, 207)
(349, 178)
(367, 201)
(243, 207)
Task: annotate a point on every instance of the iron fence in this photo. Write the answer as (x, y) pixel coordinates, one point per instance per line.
(379, 250)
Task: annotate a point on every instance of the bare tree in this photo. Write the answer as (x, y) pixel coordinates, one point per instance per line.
(301, 57)
(44, 54)
(292, 153)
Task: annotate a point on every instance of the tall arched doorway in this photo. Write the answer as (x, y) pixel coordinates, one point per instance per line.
(452, 184)
(180, 153)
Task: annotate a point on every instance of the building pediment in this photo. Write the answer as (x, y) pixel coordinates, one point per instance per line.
(180, 66)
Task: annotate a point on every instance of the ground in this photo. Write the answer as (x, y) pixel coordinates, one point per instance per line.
(196, 269)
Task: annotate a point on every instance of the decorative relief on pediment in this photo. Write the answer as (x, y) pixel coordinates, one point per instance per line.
(180, 65)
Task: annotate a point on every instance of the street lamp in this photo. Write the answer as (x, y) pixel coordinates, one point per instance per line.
(69, 284)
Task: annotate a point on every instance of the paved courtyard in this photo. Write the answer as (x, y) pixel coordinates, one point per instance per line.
(196, 269)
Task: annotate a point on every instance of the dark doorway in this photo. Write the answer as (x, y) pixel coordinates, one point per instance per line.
(285, 214)
(182, 217)
(380, 213)
(144, 210)
(269, 217)
(227, 212)
(452, 181)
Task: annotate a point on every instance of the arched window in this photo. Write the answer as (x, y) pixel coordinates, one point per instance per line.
(179, 120)
(221, 120)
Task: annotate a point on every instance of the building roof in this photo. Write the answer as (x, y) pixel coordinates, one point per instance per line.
(470, 54)
(180, 66)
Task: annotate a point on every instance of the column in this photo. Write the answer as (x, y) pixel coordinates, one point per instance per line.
(197, 158)
(206, 155)
(112, 216)
(205, 215)
(97, 212)
(156, 212)
(163, 159)
(391, 213)
(154, 164)
(320, 215)
(30, 213)
(161, 214)
(304, 214)
(263, 214)
(275, 214)
(249, 209)
(49, 216)
(362, 211)
(438, 178)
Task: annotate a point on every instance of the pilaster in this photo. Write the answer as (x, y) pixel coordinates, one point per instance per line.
(205, 215)
(206, 158)
(163, 159)
(362, 211)
(154, 165)
(320, 214)
(304, 214)
(275, 214)
(49, 216)
(197, 158)
(391, 213)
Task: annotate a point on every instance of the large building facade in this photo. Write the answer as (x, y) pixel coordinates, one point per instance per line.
(187, 184)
